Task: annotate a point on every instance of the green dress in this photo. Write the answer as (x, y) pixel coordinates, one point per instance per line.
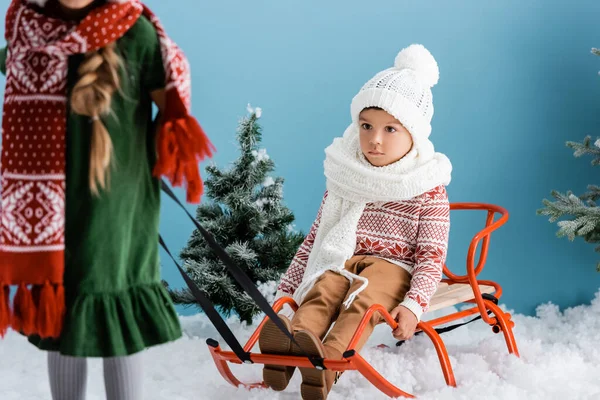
(116, 304)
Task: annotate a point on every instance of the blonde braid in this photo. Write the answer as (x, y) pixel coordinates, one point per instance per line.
(91, 96)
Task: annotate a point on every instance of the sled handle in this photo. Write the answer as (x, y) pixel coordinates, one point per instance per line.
(484, 234)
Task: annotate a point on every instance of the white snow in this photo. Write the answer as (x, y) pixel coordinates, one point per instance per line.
(292, 228)
(560, 359)
(268, 289)
(260, 155)
(269, 181)
(260, 203)
(253, 110)
(597, 143)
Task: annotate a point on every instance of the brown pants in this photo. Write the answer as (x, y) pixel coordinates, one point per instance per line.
(388, 283)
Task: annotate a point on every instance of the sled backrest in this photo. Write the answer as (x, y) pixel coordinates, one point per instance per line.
(482, 236)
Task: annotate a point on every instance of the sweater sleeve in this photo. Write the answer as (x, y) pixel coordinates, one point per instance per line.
(430, 252)
(294, 274)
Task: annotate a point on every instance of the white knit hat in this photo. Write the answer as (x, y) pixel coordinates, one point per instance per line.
(404, 91)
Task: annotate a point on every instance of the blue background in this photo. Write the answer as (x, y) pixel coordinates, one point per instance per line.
(517, 80)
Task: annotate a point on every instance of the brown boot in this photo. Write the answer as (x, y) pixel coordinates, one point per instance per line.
(272, 341)
(315, 383)
(332, 354)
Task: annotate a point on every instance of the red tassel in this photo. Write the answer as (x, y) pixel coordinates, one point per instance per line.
(167, 150)
(4, 309)
(23, 318)
(48, 312)
(181, 145)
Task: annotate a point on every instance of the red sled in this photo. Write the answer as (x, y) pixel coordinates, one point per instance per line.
(453, 290)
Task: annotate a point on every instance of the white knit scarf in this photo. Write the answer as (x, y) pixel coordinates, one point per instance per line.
(352, 182)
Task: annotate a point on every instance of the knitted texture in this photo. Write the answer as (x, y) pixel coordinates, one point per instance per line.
(411, 233)
(352, 183)
(404, 91)
(33, 160)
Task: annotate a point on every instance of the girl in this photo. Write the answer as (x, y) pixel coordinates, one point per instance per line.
(381, 234)
(80, 194)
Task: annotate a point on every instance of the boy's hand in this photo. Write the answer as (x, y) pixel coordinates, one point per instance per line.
(407, 323)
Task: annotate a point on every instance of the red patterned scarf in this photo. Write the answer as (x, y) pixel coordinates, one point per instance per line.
(32, 217)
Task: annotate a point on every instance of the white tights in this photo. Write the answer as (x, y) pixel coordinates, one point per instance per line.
(122, 377)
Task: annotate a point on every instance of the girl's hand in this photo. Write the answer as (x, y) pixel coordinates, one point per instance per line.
(407, 323)
(159, 98)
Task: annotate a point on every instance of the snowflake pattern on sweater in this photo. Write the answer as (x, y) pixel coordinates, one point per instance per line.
(410, 233)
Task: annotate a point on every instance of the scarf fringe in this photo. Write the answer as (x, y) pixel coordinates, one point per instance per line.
(181, 145)
(4, 309)
(36, 310)
(23, 316)
(49, 315)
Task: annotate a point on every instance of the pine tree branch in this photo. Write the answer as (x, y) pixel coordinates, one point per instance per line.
(591, 196)
(183, 297)
(246, 216)
(567, 204)
(584, 214)
(241, 251)
(585, 220)
(586, 148)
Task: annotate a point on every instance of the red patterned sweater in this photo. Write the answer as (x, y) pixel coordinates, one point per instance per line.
(410, 233)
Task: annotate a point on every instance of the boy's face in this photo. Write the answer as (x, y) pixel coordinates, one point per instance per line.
(383, 139)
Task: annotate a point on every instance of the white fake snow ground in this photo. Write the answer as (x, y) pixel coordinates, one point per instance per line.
(560, 359)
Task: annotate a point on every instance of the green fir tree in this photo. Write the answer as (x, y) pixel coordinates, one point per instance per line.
(245, 213)
(583, 212)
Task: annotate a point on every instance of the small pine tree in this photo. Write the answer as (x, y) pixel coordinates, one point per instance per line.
(246, 215)
(583, 210)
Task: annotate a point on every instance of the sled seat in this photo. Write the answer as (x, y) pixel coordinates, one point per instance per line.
(454, 289)
(451, 294)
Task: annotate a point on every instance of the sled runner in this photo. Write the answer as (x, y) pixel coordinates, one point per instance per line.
(454, 289)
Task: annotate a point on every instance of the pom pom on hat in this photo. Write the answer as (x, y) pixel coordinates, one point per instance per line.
(417, 58)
